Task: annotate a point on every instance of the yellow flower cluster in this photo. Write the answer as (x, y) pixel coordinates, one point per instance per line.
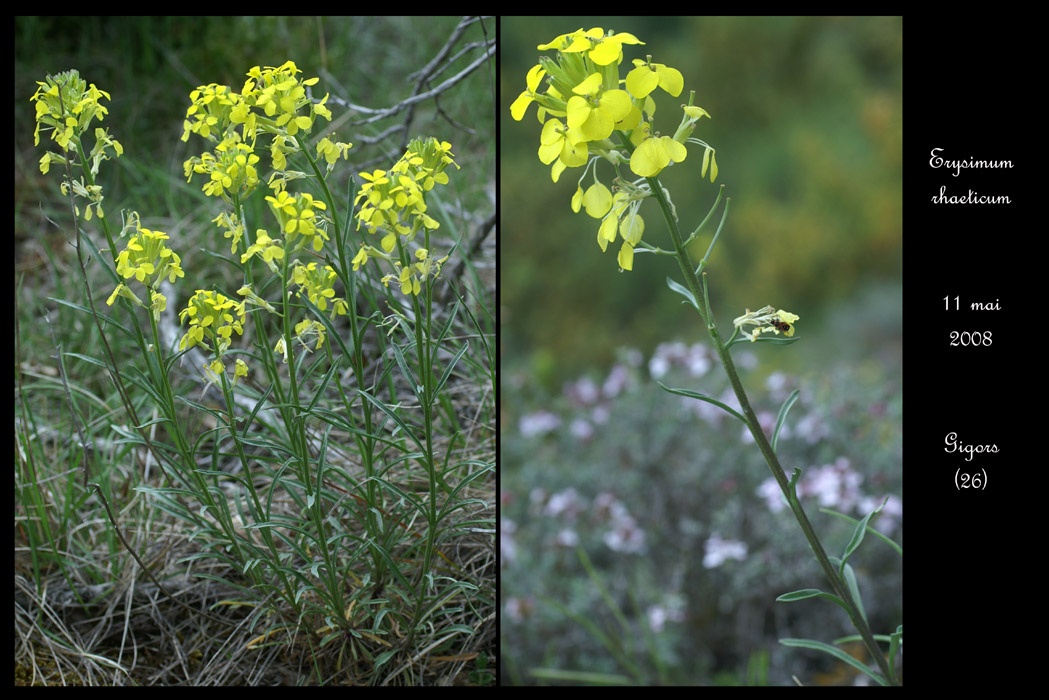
(230, 170)
(66, 105)
(410, 276)
(394, 203)
(604, 120)
(148, 259)
(273, 100)
(276, 92)
(319, 287)
(212, 318)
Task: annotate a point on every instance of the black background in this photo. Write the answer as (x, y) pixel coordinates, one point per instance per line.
(971, 86)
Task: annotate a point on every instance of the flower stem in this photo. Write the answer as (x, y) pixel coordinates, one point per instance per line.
(750, 418)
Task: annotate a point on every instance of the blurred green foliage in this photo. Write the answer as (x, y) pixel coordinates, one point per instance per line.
(807, 123)
(684, 471)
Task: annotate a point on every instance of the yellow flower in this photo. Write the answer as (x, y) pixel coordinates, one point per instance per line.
(602, 50)
(520, 105)
(212, 317)
(360, 258)
(148, 259)
(282, 348)
(595, 113)
(266, 248)
(331, 151)
(656, 153)
(558, 141)
(646, 77)
(310, 330)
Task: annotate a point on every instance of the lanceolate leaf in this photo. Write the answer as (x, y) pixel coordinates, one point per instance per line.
(791, 400)
(836, 653)
(683, 291)
(703, 397)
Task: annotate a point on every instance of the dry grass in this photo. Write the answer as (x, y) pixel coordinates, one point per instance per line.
(71, 632)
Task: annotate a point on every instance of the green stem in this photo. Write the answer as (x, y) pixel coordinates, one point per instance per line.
(693, 281)
(367, 445)
(114, 374)
(424, 354)
(259, 513)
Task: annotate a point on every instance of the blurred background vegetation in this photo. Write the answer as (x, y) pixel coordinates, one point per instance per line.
(807, 123)
(647, 484)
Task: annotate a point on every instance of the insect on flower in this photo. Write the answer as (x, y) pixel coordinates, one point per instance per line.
(779, 325)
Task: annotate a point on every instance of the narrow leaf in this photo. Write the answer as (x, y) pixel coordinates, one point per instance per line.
(879, 535)
(448, 370)
(791, 400)
(806, 593)
(702, 397)
(836, 653)
(854, 589)
(683, 291)
(858, 533)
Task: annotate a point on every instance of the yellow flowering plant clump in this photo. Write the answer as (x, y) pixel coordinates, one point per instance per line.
(589, 113)
(274, 102)
(597, 111)
(286, 484)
